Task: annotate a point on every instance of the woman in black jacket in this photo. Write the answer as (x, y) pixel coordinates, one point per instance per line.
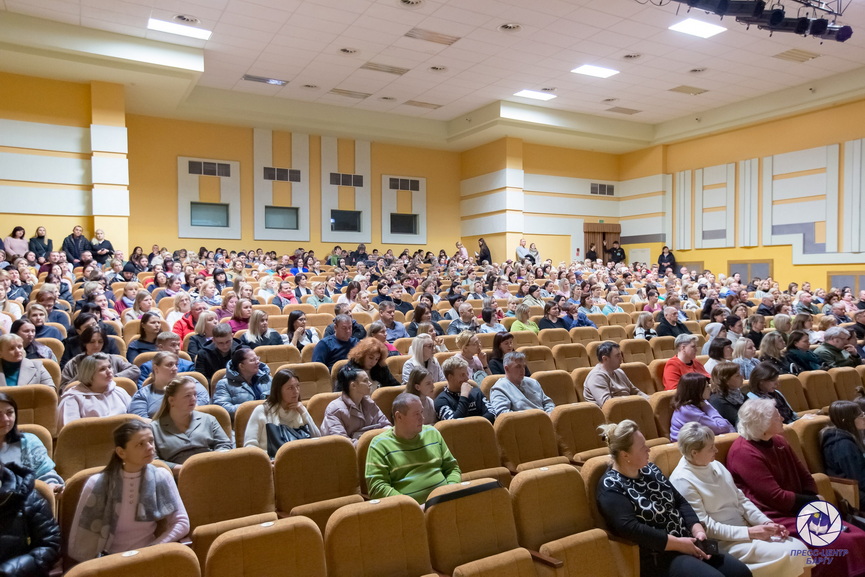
(41, 245)
(666, 260)
(29, 535)
(370, 355)
(484, 252)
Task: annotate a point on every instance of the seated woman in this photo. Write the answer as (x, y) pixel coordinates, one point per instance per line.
(719, 351)
(370, 355)
(318, 295)
(727, 398)
(203, 334)
(148, 330)
(744, 356)
(640, 504)
(552, 318)
(843, 444)
(763, 384)
(645, 327)
(182, 306)
(741, 529)
(127, 298)
(143, 304)
(533, 296)
(769, 472)
(93, 340)
(503, 343)
(16, 369)
(713, 331)
(37, 315)
(691, 405)
(24, 449)
(259, 334)
(354, 412)
(246, 379)
(588, 306)
(129, 505)
(208, 293)
(179, 431)
(266, 288)
(364, 304)
(772, 352)
(799, 354)
(428, 329)
(297, 332)
(422, 314)
(240, 317)
(685, 361)
(422, 353)
(470, 350)
(420, 383)
(378, 331)
(95, 395)
(652, 306)
(523, 323)
(284, 295)
(245, 291)
(302, 289)
(282, 408)
(29, 532)
(612, 306)
(804, 322)
(146, 402)
(228, 307)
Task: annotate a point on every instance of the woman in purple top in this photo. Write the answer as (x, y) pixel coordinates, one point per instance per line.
(691, 404)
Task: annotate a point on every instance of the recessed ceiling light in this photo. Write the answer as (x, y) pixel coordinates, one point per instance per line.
(596, 71)
(697, 28)
(534, 94)
(179, 29)
(265, 80)
(410, 3)
(348, 50)
(510, 27)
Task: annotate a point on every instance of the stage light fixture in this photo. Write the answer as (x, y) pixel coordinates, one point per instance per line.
(728, 7)
(838, 33)
(818, 27)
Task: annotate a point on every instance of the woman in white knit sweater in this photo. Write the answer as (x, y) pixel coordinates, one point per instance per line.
(282, 408)
(741, 529)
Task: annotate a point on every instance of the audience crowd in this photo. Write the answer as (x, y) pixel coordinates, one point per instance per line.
(132, 335)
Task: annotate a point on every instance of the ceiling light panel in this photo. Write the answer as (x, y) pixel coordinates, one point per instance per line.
(179, 29)
(430, 36)
(534, 94)
(697, 28)
(596, 71)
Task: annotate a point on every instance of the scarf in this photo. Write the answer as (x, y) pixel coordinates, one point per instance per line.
(98, 519)
(735, 397)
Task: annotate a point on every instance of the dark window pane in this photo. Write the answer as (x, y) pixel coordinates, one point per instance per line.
(357, 180)
(415, 185)
(224, 169)
(282, 174)
(394, 184)
(293, 175)
(335, 178)
(346, 180)
(403, 223)
(210, 168)
(194, 167)
(345, 220)
(403, 184)
(269, 173)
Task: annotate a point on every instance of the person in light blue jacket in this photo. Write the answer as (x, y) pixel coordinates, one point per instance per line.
(146, 402)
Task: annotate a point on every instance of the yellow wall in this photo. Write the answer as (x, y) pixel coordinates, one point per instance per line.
(41, 100)
(569, 162)
(156, 143)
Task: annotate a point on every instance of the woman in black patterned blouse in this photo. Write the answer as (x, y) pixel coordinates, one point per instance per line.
(640, 504)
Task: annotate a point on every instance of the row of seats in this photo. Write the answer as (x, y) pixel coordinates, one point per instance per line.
(546, 522)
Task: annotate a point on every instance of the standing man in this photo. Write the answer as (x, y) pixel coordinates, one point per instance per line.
(75, 244)
(617, 253)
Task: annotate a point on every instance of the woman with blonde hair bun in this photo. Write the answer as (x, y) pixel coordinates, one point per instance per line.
(640, 504)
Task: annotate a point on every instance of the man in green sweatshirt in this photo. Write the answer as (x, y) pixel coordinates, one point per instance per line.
(411, 458)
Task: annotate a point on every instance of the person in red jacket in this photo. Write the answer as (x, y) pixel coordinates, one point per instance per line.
(683, 363)
(186, 324)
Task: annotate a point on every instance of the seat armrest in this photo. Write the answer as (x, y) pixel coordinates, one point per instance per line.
(546, 559)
